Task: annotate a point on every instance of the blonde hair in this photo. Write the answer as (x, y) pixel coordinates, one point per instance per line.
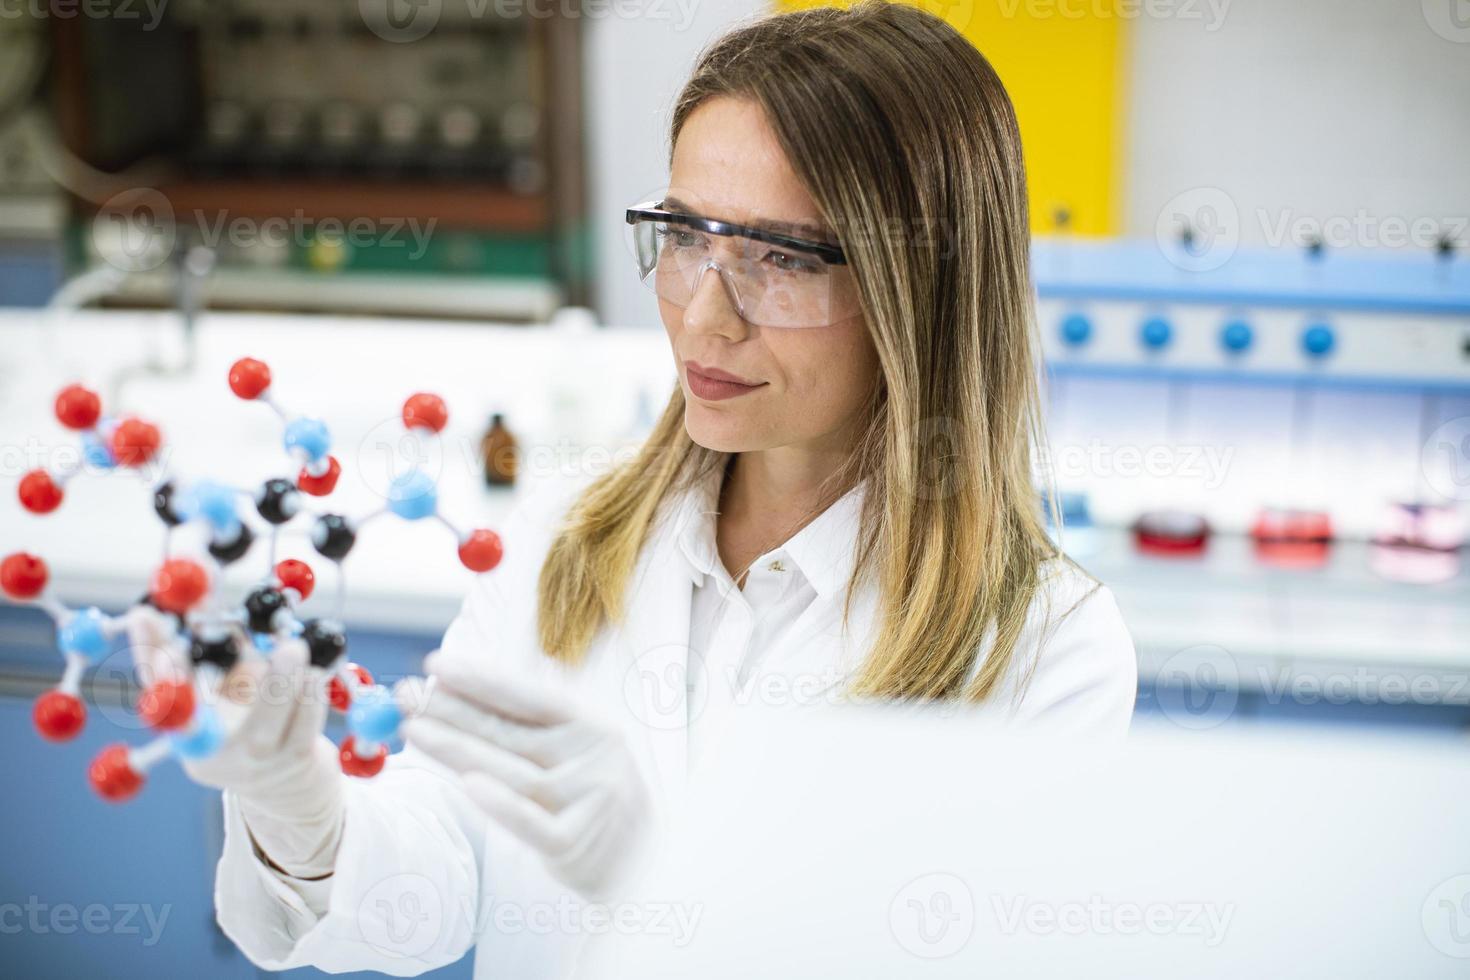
(907, 142)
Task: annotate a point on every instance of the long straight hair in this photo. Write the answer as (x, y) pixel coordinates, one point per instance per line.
(907, 142)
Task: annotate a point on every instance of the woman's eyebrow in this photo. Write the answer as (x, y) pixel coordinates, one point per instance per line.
(796, 229)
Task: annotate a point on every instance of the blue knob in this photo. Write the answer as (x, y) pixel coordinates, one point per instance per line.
(1318, 340)
(1236, 336)
(1076, 329)
(1156, 333)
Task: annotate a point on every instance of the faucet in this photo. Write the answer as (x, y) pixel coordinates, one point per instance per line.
(193, 265)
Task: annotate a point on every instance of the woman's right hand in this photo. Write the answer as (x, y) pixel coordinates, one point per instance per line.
(275, 759)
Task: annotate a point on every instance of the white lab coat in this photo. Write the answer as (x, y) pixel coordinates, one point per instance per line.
(422, 876)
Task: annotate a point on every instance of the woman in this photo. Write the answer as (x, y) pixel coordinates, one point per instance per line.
(838, 497)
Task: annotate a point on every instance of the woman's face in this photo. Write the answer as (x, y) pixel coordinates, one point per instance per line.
(807, 385)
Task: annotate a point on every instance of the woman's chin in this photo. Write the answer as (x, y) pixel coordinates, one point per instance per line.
(718, 431)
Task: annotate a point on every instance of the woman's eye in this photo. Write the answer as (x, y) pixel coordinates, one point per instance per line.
(678, 237)
(786, 262)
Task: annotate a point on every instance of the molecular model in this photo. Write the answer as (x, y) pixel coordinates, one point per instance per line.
(215, 633)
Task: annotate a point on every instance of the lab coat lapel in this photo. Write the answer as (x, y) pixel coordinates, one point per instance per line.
(652, 651)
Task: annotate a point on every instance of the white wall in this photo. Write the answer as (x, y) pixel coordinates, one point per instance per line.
(635, 69)
(1316, 108)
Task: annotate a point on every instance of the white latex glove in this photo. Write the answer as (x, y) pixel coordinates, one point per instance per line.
(275, 759)
(563, 781)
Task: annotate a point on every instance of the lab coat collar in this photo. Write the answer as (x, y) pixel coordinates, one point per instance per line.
(824, 551)
(654, 635)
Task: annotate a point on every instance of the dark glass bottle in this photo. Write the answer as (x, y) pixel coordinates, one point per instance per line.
(498, 450)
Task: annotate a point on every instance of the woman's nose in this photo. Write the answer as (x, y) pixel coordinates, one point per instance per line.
(714, 305)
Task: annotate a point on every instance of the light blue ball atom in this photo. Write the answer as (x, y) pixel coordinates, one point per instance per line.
(84, 633)
(213, 502)
(310, 436)
(97, 453)
(413, 496)
(203, 739)
(374, 715)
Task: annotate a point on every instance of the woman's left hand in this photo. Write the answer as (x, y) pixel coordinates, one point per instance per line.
(562, 781)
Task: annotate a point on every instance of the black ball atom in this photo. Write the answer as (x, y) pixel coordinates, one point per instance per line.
(326, 640)
(220, 649)
(333, 537)
(234, 549)
(163, 504)
(261, 607)
(277, 501)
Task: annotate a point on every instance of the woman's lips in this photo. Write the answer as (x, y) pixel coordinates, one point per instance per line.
(712, 384)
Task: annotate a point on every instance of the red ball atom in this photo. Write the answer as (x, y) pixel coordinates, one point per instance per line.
(293, 573)
(59, 716)
(23, 575)
(178, 585)
(249, 377)
(320, 486)
(113, 776)
(39, 493)
(78, 407)
(337, 692)
(354, 766)
(167, 705)
(135, 442)
(481, 551)
(425, 411)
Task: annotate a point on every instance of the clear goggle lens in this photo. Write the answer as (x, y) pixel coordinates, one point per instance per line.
(769, 285)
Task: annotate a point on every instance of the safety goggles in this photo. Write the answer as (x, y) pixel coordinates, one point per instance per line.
(772, 279)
